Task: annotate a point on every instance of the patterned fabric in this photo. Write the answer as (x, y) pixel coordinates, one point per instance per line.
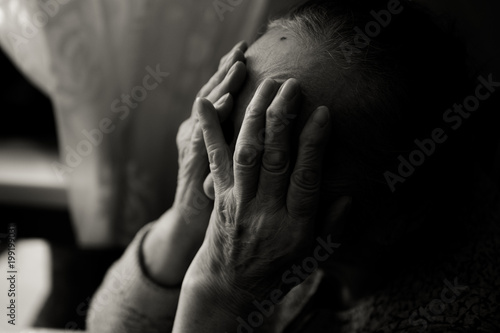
(128, 301)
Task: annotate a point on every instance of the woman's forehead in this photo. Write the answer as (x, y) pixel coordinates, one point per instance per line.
(276, 55)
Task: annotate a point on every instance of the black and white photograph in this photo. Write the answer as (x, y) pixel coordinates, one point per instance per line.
(250, 166)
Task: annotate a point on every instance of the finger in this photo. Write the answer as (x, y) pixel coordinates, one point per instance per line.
(215, 144)
(240, 46)
(224, 66)
(232, 82)
(183, 137)
(197, 141)
(250, 143)
(274, 173)
(303, 191)
(223, 108)
(194, 162)
(236, 54)
(208, 187)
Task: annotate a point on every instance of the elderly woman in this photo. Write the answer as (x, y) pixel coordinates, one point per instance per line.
(318, 191)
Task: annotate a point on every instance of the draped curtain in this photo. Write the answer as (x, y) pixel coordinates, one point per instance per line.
(122, 75)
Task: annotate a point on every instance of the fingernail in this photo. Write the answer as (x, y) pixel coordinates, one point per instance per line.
(222, 100)
(266, 89)
(289, 89)
(322, 116)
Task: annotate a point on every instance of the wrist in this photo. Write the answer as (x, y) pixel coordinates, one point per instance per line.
(216, 299)
(168, 249)
(213, 302)
(210, 269)
(210, 278)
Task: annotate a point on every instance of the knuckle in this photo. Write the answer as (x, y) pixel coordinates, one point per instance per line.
(253, 111)
(274, 112)
(306, 179)
(245, 155)
(217, 157)
(277, 119)
(275, 160)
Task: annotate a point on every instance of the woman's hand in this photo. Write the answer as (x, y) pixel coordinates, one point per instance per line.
(266, 203)
(172, 243)
(191, 203)
(265, 207)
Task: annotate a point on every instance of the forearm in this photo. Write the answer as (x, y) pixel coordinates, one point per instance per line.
(200, 311)
(128, 301)
(141, 290)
